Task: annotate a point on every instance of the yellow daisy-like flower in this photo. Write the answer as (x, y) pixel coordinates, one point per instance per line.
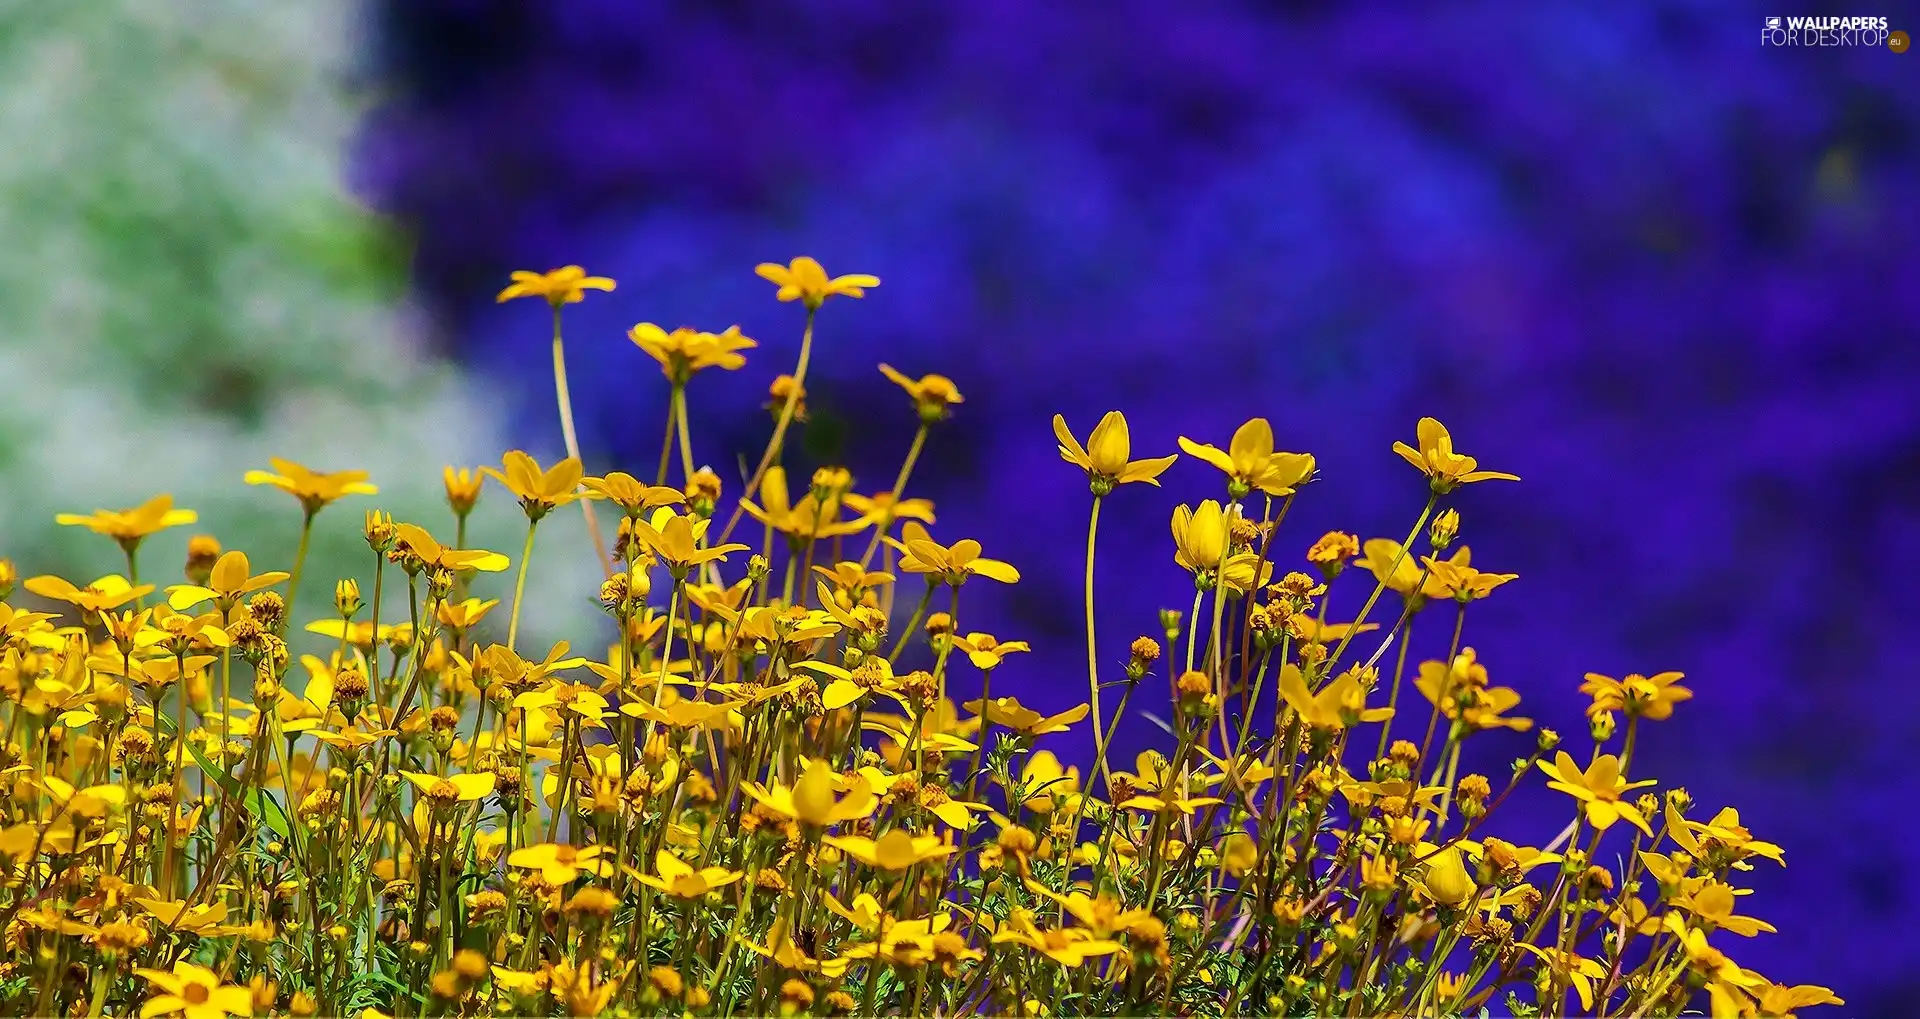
(1337, 705)
(675, 538)
(1070, 947)
(931, 394)
(1650, 697)
(1600, 789)
(560, 864)
(952, 564)
(633, 497)
(463, 488)
(1445, 469)
(129, 526)
(811, 800)
(896, 850)
(1200, 536)
(452, 788)
(539, 491)
(803, 521)
(103, 595)
(1104, 457)
(566, 285)
(685, 350)
(804, 280)
(1010, 713)
(195, 992)
(232, 577)
(1251, 463)
(420, 543)
(314, 489)
(681, 880)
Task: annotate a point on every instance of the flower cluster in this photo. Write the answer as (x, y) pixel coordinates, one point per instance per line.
(770, 793)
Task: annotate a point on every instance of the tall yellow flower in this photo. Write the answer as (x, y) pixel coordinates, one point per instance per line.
(931, 394)
(952, 564)
(540, 491)
(804, 280)
(1104, 457)
(1601, 790)
(802, 521)
(675, 538)
(1649, 697)
(680, 879)
(129, 526)
(811, 800)
(566, 285)
(1445, 469)
(195, 992)
(686, 350)
(417, 541)
(1200, 536)
(314, 489)
(1340, 703)
(1251, 463)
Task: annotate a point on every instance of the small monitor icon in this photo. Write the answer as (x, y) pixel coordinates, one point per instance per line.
(1773, 24)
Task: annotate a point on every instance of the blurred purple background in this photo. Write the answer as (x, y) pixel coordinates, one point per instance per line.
(1661, 272)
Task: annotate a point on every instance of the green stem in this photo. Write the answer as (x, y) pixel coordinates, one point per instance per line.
(1093, 660)
(779, 429)
(686, 435)
(520, 585)
(573, 441)
(299, 564)
(897, 492)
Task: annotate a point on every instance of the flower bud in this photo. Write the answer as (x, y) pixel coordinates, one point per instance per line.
(203, 550)
(346, 598)
(1445, 528)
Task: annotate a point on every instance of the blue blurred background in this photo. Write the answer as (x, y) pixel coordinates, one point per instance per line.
(1661, 272)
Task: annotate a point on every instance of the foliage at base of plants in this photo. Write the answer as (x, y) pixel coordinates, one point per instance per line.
(777, 790)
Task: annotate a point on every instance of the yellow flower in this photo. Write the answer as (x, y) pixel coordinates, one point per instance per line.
(566, 285)
(1046, 786)
(675, 539)
(129, 526)
(1070, 947)
(932, 394)
(1338, 704)
(452, 788)
(1454, 578)
(539, 491)
(1649, 697)
(631, 495)
(560, 864)
(804, 280)
(1600, 788)
(811, 801)
(1726, 831)
(1445, 878)
(1573, 970)
(314, 489)
(677, 878)
(1712, 904)
(952, 564)
(193, 991)
(883, 506)
(1105, 456)
(1445, 469)
(232, 577)
(1200, 536)
(1009, 712)
(103, 595)
(1251, 463)
(801, 521)
(1100, 915)
(1395, 567)
(986, 651)
(685, 351)
(416, 540)
(1461, 692)
(896, 850)
(463, 488)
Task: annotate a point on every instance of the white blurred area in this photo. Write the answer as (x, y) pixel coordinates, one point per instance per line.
(187, 288)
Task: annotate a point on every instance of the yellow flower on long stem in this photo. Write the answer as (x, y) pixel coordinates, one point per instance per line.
(804, 521)
(418, 542)
(1105, 456)
(314, 489)
(231, 578)
(810, 800)
(1600, 789)
(1010, 713)
(1337, 705)
(681, 880)
(1445, 469)
(896, 850)
(685, 350)
(129, 526)
(1250, 461)
(675, 538)
(103, 595)
(566, 285)
(806, 281)
(195, 992)
(1200, 536)
(634, 498)
(539, 491)
(1071, 947)
(952, 564)
(1649, 697)
(559, 863)
(931, 394)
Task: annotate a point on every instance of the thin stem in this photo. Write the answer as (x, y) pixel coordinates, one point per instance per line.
(573, 442)
(1093, 659)
(779, 429)
(520, 585)
(666, 440)
(299, 564)
(896, 493)
(686, 438)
